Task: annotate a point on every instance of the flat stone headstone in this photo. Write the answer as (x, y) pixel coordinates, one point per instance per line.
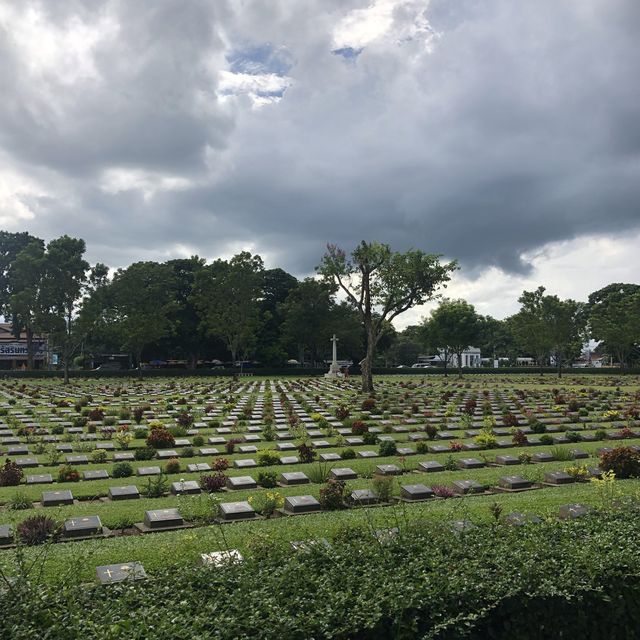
(230, 511)
(17, 450)
(431, 466)
(123, 457)
(208, 451)
(542, 457)
(367, 454)
(558, 477)
(301, 504)
(388, 470)
(198, 467)
(77, 459)
(514, 482)
(285, 446)
(148, 471)
(467, 486)
(294, 478)
(507, 460)
(26, 462)
(185, 487)
(41, 478)
(241, 482)
(469, 463)
(578, 454)
(343, 473)
(105, 446)
(84, 526)
(521, 519)
(320, 444)
(128, 492)
(415, 492)
(111, 573)
(163, 518)
(570, 511)
(56, 498)
(330, 457)
(363, 497)
(246, 463)
(95, 474)
(167, 454)
(220, 558)
(438, 448)
(6, 534)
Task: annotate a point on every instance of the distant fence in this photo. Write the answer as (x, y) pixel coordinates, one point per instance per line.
(299, 372)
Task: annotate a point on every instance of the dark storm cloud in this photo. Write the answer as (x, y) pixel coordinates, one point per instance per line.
(517, 126)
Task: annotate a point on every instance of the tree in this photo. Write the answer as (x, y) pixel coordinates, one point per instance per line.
(10, 246)
(614, 318)
(408, 346)
(227, 296)
(143, 299)
(381, 285)
(453, 327)
(549, 327)
(496, 338)
(24, 284)
(63, 286)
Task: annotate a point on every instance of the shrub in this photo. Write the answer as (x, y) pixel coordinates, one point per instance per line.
(456, 446)
(138, 414)
(623, 461)
(220, 464)
(267, 458)
(198, 441)
(10, 474)
(172, 466)
(96, 415)
(342, 412)
(431, 430)
(560, 453)
(332, 495)
(509, 420)
(139, 434)
(600, 434)
(266, 503)
(157, 486)
(625, 433)
(388, 448)
(214, 482)
(369, 438)
(422, 447)
(57, 430)
(122, 470)
(67, 473)
(144, 453)
(442, 491)
(538, 427)
(359, 428)
(306, 453)
(546, 439)
(267, 479)
(382, 486)
(486, 439)
(109, 421)
(368, 404)
(578, 472)
(230, 445)
(177, 431)
(99, 456)
(347, 454)
(19, 501)
(37, 530)
(519, 438)
(160, 438)
(185, 420)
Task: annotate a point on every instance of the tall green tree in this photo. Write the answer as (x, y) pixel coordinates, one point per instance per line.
(227, 296)
(143, 301)
(10, 246)
(614, 319)
(63, 287)
(25, 279)
(381, 285)
(528, 326)
(496, 339)
(453, 327)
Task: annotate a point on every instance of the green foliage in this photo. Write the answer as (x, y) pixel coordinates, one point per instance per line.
(623, 461)
(388, 448)
(122, 470)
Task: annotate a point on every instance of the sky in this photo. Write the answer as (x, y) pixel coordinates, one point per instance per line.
(503, 134)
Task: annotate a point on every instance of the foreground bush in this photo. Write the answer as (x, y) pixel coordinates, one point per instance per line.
(555, 579)
(623, 461)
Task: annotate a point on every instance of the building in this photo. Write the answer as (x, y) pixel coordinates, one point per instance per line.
(471, 358)
(13, 351)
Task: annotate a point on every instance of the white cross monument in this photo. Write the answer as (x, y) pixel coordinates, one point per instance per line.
(334, 369)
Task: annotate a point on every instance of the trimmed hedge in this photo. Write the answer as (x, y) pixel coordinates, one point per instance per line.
(571, 579)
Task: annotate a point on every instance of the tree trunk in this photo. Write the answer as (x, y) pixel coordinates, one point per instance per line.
(193, 360)
(459, 365)
(301, 354)
(139, 361)
(29, 333)
(66, 369)
(367, 363)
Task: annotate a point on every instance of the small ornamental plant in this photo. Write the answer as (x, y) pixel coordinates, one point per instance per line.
(267, 458)
(172, 466)
(265, 504)
(144, 453)
(342, 412)
(67, 473)
(368, 404)
(624, 462)
(10, 474)
(185, 419)
(388, 448)
(213, 482)
(306, 453)
(358, 428)
(122, 470)
(37, 530)
(267, 479)
(138, 414)
(456, 446)
(230, 445)
(442, 491)
(332, 495)
(431, 430)
(519, 438)
(220, 464)
(123, 436)
(96, 415)
(160, 438)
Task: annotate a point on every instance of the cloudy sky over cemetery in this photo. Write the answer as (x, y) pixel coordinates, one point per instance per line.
(505, 134)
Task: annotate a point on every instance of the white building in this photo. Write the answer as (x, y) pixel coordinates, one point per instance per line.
(471, 358)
